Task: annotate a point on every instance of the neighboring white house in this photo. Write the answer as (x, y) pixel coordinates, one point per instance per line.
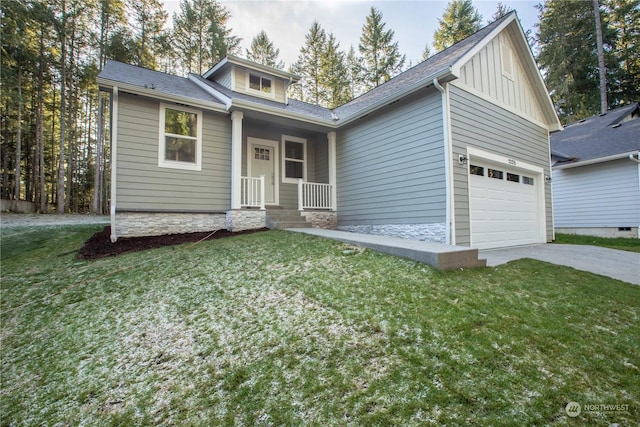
(596, 175)
(454, 150)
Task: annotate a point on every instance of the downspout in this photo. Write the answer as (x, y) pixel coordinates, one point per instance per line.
(286, 91)
(450, 228)
(637, 161)
(114, 159)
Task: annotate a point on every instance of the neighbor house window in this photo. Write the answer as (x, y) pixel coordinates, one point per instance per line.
(294, 159)
(260, 84)
(180, 138)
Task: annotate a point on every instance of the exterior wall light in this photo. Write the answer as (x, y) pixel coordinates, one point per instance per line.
(462, 159)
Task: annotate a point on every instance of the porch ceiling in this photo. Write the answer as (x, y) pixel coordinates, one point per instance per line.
(266, 119)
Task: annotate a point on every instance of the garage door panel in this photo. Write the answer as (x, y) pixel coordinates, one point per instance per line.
(503, 212)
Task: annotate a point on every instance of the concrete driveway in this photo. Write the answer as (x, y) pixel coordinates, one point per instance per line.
(621, 265)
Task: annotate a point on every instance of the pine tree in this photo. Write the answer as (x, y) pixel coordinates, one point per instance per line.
(426, 53)
(354, 73)
(334, 75)
(624, 18)
(380, 55)
(459, 20)
(309, 63)
(569, 59)
(263, 52)
(150, 41)
(501, 10)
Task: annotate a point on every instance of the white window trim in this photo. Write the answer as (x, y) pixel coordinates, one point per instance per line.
(284, 158)
(162, 162)
(270, 95)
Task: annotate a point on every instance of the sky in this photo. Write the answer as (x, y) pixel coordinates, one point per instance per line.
(286, 22)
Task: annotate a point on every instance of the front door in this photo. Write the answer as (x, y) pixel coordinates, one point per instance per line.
(262, 160)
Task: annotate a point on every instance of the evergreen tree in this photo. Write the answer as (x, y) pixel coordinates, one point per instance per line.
(263, 52)
(309, 63)
(354, 73)
(380, 55)
(624, 18)
(459, 20)
(200, 35)
(569, 59)
(501, 10)
(150, 41)
(426, 53)
(334, 75)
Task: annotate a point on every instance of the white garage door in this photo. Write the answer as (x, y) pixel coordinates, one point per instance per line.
(503, 206)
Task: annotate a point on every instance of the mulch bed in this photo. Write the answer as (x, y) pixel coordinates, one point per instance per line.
(100, 246)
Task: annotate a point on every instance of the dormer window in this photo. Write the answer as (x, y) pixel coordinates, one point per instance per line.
(260, 84)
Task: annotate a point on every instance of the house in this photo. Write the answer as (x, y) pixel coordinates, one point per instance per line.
(454, 150)
(596, 175)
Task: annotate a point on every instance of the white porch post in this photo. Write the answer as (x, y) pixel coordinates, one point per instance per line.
(331, 137)
(262, 207)
(236, 158)
(300, 208)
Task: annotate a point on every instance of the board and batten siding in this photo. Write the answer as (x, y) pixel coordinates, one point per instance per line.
(485, 74)
(241, 77)
(476, 122)
(142, 185)
(599, 195)
(390, 166)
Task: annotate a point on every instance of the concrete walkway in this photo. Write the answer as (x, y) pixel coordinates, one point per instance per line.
(443, 257)
(621, 265)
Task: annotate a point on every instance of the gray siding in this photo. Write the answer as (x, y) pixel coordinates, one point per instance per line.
(476, 122)
(142, 185)
(599, 195)
(390, 166)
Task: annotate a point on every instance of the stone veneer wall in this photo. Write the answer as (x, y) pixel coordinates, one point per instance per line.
(436, 232)
(238, 220)
(326, 220)
(137, 224)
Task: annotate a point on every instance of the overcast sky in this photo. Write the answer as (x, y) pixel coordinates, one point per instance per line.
(287, 22)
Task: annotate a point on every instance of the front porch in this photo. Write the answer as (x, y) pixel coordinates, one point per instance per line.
(285, 175)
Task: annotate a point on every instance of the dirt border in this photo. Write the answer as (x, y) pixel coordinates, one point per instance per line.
(100, 246)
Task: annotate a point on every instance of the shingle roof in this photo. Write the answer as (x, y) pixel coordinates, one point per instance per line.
(154, 80)
(435, 65)
(599, 136)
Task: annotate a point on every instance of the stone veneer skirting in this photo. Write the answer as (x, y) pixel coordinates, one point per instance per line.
(435, 233)
(138, 224)
(326, 220)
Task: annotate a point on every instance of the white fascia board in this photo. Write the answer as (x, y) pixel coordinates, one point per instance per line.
(202, 85)
(236, 60)
(216, 67)
(598, 160)
(247, 105)
(163, 96)
(422, 83)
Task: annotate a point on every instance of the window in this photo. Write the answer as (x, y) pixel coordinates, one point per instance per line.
(259, 83)
(180, 138)
(513, 177)
(261, 153)
(527, 180)
(294, 159)
(494, 173)
(507, 61)
(476, 170)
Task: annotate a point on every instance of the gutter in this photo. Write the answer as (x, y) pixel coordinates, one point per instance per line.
(114, 161)
(635, 159)
(628, 155)
(446, 129)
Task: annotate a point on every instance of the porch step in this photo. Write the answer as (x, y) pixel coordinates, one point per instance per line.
(280, 219)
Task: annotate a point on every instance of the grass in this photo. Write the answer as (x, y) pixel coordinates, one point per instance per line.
(278, 328)
(621, 243)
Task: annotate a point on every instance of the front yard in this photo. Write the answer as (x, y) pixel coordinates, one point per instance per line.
(279, 328)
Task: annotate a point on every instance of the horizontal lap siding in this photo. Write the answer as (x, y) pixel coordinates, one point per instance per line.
(390, 166)
(142, 185)
(600, 195)
(476, 122)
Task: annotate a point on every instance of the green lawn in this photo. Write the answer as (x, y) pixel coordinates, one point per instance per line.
(620, 243)
(278, 328)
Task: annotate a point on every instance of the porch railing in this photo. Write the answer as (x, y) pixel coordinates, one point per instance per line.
(252, 192)
(314, 195)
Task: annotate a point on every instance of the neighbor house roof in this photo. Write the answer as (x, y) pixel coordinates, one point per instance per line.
(615, 134)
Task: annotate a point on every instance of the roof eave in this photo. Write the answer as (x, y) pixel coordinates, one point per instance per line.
(154, 93)
(261, 108)
(236, 60)
(420, 84)
(597, 160)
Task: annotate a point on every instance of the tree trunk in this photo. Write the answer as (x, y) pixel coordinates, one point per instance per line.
(63, 112)
(601, 66)
(42, 189)
(97, 174)
(18, 141)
